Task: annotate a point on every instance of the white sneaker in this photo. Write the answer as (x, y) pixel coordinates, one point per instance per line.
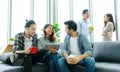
(13, 57)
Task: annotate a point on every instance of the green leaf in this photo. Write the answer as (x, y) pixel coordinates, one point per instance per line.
(11, 39)
(56, 29)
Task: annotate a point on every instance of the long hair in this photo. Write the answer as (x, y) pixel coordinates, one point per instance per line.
(52, 37)
(111, 20)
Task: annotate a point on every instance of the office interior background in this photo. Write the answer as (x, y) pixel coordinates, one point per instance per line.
(13, 15)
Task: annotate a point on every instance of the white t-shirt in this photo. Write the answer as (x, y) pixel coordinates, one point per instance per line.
(28, 43)
(74, 46)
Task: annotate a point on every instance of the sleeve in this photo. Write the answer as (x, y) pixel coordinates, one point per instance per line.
(64, 50)
(79, 26)
(16, 45)
(40, 44)
(107, 28)
(87, 45)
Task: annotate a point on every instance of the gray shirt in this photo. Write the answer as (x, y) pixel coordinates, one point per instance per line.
(42, 42)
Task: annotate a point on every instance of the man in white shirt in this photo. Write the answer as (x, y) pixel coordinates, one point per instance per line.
(76, 50)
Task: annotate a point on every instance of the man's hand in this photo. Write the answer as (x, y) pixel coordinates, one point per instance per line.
(19, 51)
(27, 51)
(70, 60)
(90, 32)
(79, 58)
(76, 60)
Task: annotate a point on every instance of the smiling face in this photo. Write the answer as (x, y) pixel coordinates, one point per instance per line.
(31, 30)
(48, 30)
(67, 30)
(106, 18)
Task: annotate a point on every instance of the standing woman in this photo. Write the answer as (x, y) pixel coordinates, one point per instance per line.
(51, 56)
(109, 27)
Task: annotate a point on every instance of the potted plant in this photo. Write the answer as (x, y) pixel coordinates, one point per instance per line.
(57, 30)
(11, 40)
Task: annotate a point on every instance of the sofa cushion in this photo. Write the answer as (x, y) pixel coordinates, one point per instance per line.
(5, 56)
(76, 68)
(107, 67)
(8, 68)
(107, 51)
(39, 67)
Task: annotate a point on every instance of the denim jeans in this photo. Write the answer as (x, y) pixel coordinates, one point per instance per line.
(52, 60)
(88, 62)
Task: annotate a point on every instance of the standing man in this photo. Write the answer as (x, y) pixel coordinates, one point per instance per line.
(76, 49)
(83, 25)
(22, 48)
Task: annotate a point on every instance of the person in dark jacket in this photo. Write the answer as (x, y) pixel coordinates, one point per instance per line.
(22, 48)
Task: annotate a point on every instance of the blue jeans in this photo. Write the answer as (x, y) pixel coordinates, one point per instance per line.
(52, 60)
(88, 62)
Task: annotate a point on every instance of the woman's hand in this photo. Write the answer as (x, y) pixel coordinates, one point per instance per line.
(52, 49)
(108, 34)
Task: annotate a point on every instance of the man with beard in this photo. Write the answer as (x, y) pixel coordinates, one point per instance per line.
(76, 50)
(23, 46)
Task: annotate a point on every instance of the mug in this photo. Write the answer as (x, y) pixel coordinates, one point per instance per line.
(33, 50)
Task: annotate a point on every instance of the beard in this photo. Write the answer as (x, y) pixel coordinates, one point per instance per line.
(32, 34)
(68, 34)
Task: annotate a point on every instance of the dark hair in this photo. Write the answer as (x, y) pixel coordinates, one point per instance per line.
(71, 25)
(111, 20)
(52, 37)
(29, 23)
(84, 11)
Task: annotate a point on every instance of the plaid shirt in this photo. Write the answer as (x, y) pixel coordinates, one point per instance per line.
(19, 41)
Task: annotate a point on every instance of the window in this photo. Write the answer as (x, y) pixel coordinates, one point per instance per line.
(118, 18)
(40, 15)
(3, 21)
(78, 7)
(63, 15)
(20, 12)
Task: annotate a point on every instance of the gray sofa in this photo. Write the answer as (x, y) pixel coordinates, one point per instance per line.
(106, 55)
(39, 67)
